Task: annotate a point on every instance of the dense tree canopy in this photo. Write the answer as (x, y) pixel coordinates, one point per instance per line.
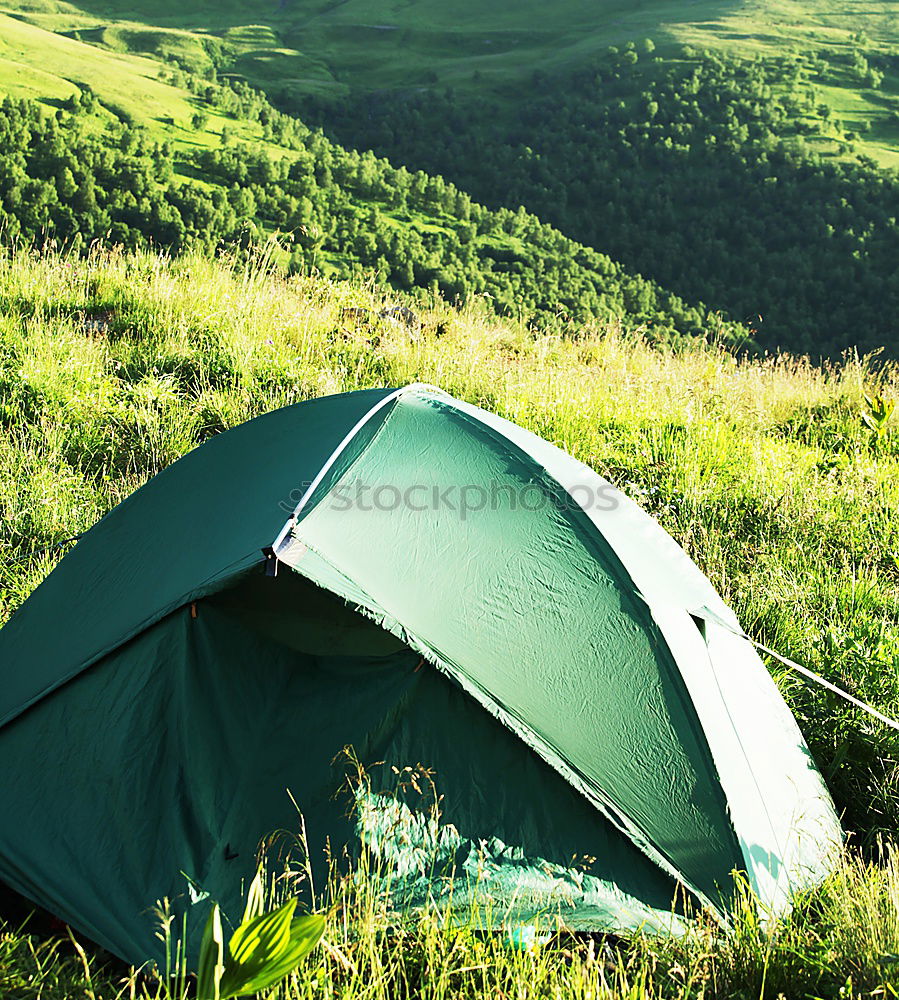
(345, 210)
(696, 174)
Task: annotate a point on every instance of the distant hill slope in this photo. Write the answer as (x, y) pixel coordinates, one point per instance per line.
(40, 64)
(113, 152)
(762, 187)
(297, 47)
(703, 174)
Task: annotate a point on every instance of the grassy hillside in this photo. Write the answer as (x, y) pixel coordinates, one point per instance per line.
(753, 183)
(113, 366)
(765, 471)
(315, 47)
(39, 64)
(133, 150)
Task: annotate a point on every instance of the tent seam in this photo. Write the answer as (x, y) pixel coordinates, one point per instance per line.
(539, 744)
(643, 612)
(390, 401)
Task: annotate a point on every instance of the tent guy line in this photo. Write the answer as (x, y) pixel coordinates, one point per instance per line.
(785, 660)
(818, 679)
(39, 553)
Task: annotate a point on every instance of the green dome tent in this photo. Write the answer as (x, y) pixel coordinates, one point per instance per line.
(409, 575)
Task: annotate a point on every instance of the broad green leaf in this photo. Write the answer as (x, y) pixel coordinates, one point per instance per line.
(881, 410)
(255, 899)
(212, 957)
(305, 933)
(255, 944)
(262, 935)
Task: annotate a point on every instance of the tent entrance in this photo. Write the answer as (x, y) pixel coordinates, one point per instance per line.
(197, 728)
(293, 611)
(298, 676)
(286, 676)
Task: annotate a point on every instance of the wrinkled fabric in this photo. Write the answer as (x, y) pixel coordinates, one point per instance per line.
(439, 602)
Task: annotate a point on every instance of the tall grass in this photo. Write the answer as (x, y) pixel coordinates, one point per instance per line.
(113, 366)
(840, 941)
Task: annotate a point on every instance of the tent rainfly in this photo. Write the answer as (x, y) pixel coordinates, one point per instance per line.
(449, 589)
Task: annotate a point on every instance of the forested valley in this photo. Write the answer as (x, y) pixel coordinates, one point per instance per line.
(340, 211)
(701, 174)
